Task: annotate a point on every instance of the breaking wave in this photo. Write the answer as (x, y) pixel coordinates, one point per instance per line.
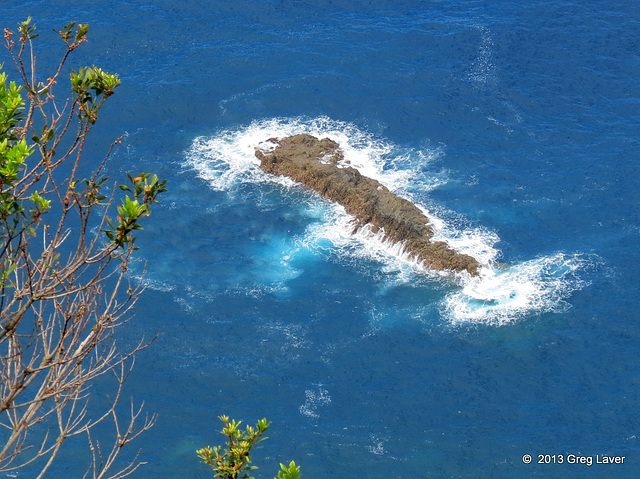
(229, 156)
(502, 295)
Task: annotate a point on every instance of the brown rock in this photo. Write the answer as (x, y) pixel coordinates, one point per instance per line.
(317, 164)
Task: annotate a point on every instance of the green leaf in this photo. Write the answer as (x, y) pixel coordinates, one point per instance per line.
(290, 472)
(82, 31)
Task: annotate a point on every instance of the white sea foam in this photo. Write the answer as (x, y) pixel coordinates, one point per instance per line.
(229, 156)
(336, 234)
(479, 243)
(498, 296)
(314, 399)
(503, 295)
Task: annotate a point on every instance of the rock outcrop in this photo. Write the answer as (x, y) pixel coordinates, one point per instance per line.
(319, 165)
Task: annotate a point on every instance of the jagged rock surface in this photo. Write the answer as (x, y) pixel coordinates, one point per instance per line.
(318, 164)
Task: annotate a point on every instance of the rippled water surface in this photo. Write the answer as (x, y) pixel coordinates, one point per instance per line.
(513, 125)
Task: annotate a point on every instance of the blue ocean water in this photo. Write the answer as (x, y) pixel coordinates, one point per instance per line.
(514, 125)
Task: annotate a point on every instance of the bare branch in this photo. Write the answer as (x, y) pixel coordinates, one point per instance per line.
(64, 285)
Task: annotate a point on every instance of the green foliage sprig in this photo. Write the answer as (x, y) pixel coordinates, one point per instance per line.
(234, 462)
(88, 80)
(145, 189)
(11, 105)
(289, 472)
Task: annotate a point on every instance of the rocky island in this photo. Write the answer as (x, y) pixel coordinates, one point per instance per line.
(319, 165)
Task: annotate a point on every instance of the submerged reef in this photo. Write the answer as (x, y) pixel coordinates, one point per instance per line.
(319, 165)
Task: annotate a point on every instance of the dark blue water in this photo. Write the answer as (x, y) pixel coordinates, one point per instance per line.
(514, 124)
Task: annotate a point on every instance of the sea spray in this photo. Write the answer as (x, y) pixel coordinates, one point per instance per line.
(503, 294)
(228, 157)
